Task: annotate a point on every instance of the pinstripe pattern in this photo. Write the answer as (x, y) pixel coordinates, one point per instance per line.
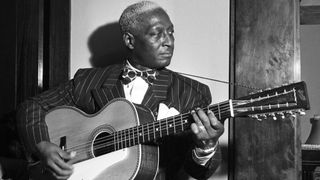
(91, 89)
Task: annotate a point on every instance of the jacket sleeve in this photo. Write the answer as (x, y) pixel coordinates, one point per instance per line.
(31, 114)
(202, 99)
(185, 95)
(31, 123)
(203, 172)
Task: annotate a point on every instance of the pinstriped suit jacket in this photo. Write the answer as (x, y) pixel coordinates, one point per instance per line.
(91, 89)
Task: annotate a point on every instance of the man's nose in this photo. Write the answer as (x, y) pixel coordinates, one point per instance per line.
(168, 40)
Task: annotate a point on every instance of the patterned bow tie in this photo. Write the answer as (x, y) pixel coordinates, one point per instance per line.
(129, 75)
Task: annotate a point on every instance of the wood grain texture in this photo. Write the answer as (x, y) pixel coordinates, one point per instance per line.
(266, 55)
(264, 43)
(309, 15)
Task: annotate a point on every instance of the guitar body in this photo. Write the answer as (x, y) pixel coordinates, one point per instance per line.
(71, 128)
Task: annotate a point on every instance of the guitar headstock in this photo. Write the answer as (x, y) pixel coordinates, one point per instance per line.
(288, 99)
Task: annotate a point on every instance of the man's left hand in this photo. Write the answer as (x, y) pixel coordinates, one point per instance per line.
(206, 128)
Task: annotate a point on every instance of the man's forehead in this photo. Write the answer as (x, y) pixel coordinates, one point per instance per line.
(155, 16)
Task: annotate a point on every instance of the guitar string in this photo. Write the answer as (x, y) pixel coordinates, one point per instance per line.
(144, 128)
(126, 143)
(221, 81)
(165, 120)
(107, 145)
(127, 137)
(123, 143)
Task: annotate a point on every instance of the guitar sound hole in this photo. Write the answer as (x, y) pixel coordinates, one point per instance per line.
(102, 144)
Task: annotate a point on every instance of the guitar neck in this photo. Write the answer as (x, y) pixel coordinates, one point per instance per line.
(172, 125)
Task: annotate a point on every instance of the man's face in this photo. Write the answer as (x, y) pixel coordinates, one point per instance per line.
(153, 41)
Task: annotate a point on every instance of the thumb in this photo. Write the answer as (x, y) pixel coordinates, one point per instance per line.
(67, 156)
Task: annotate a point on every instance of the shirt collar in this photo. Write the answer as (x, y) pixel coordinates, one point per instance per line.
(128, 64)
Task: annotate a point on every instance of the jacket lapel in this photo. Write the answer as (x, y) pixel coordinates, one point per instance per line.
(109, 88)
(157, 93)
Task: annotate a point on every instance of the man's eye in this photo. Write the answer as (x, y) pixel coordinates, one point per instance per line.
(155, 33)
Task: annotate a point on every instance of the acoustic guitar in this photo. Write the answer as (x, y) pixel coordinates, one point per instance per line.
(112, 144)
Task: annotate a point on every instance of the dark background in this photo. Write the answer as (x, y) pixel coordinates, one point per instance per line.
(35, 37)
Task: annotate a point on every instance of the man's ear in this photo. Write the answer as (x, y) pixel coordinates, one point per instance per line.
(128, 40)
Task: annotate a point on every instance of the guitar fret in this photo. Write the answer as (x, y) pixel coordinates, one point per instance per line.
(157, 129)
(174, 126)
(129, 138)
(140, 134)
(114, 142)
(154, 132)
(148, 132)
(121, 145)
(124, 139)
(132, 135)
(143, 133)
(160, 128)
(219, 112)
(170, 127)
(167, 126)
(119, 140)
(181, 122)
(137, 135)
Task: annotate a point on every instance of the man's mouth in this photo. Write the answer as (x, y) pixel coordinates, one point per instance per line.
(167, 54)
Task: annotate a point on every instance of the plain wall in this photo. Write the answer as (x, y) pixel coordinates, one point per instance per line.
(310, 65)
(201, 33)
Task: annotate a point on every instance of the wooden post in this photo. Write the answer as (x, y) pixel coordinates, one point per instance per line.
(266, 54)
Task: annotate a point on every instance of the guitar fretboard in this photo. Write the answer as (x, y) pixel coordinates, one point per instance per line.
(153, 131)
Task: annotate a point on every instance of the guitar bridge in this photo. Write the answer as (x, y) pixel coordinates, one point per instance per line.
(63, 142)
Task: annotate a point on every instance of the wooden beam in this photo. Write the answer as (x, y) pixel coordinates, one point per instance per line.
(310, 15)
(265, 54)
(310, 3)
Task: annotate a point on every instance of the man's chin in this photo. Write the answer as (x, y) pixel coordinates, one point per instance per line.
(162, 63)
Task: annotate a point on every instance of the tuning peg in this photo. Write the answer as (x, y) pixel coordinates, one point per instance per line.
(290, 113)
(301, 112)
(263, 116)
(281, 114)
(255, 117)
(273, 116)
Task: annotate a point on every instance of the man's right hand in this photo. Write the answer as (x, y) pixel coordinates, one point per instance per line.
(54, 160)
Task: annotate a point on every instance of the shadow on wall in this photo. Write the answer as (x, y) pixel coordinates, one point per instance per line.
(106, 46)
